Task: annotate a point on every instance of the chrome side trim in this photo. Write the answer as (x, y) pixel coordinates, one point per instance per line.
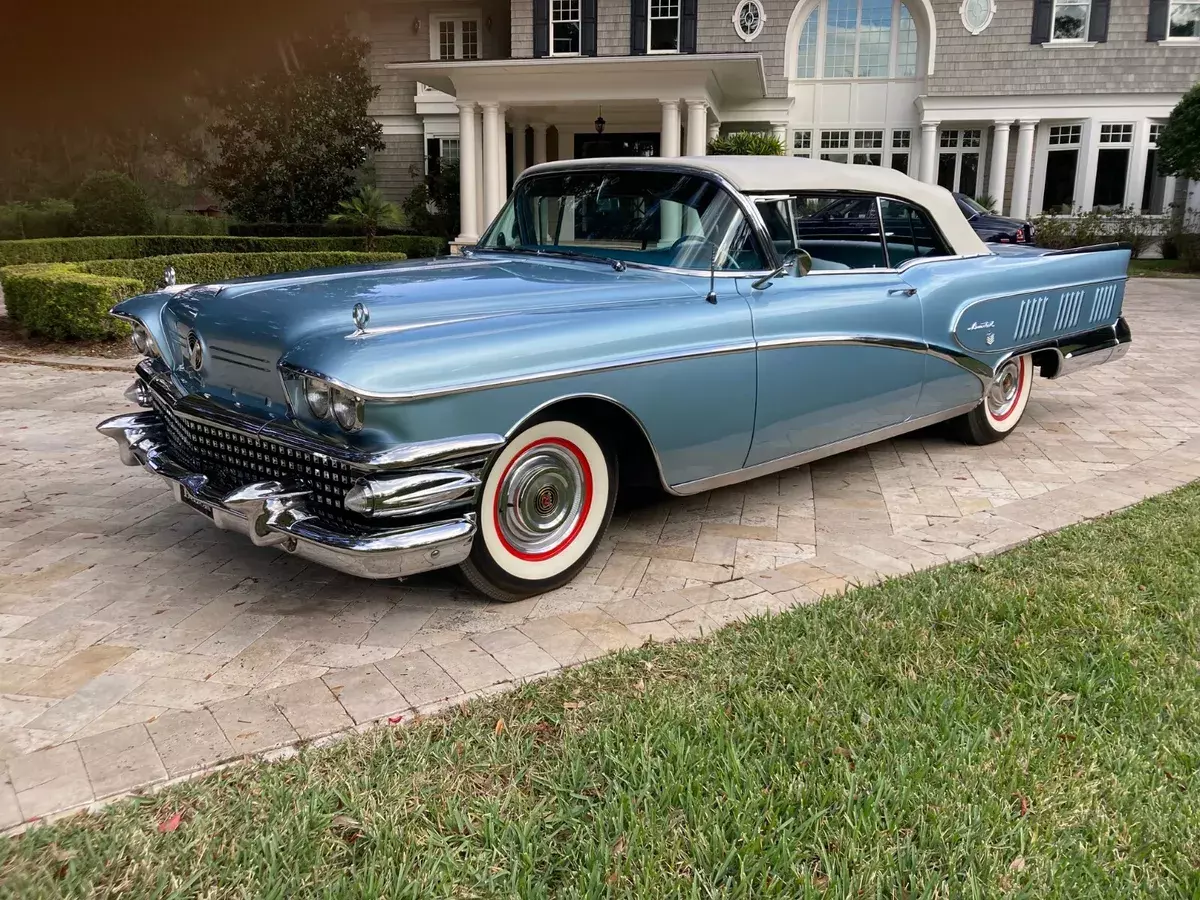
(807, 456)
(549, 375)
(977, 368)
(1070, 285)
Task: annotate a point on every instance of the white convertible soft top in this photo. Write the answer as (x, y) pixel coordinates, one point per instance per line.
(768, 174)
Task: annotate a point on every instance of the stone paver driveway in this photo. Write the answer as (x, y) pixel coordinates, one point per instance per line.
(138, 643)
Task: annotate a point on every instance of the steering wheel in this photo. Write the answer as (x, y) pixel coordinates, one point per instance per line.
(684, 240)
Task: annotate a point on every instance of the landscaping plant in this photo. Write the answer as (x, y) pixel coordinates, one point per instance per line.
(291, 136)
(110, 203)
(368, 211)
(746, 143)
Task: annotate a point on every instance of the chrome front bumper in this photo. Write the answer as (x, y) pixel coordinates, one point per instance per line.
(273, 514)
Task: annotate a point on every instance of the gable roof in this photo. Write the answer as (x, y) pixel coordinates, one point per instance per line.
(777, 174)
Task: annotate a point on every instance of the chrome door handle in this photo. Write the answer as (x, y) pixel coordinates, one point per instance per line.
(901, 292)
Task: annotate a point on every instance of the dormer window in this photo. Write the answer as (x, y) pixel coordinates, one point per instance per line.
(454, 37)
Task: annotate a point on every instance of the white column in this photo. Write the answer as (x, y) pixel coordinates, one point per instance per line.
(714, 131)
(480, 198)
(1022, 169)
(1086, 164)
(492, 136)
(501, 162)
(668, 141)
(926, 168)
(697, 127)
(779, 131)
(999, 167)
(539, 142)
(519, 163)
(468, 186)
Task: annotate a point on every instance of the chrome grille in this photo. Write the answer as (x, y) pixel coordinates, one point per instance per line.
(230, 459)
(1029, 319)
(1069, 306)
(1104, 302)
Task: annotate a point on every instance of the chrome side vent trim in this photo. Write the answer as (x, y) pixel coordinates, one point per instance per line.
(1029, 319)
(1102, 305)
(1070, 304)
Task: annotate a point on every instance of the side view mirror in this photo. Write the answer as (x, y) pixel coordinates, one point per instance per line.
(803, 262)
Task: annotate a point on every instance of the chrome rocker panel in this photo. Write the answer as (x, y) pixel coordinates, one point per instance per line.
(272, 515)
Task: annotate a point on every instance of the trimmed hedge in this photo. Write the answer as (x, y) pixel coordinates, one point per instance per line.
(48, 250)
(62, 303)
(70, 301)
(1189, 251)
(305, 229)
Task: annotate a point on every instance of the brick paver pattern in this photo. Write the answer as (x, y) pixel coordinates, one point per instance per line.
(138, 643)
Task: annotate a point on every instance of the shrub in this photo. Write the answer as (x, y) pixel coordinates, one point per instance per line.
(432, 207)
(1189, 251)
(49, 218)
(204, 268)
(305, 229)
(70, 301)
(133, 247)
(747, 143)
(1085, 229)
(189, 223)
(59, 302)
(110, 203)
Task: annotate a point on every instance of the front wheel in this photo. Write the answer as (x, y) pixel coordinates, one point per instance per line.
(1003, 403)
(546, 502)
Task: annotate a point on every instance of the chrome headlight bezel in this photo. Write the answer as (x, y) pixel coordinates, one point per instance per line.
(143, 341)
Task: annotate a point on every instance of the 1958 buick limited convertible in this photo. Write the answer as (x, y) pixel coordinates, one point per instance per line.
(622, 325)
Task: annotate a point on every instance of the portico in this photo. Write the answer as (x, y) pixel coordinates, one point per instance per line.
(652, 106)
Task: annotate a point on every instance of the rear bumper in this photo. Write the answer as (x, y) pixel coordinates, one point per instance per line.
(274, 514)
(1094, 348)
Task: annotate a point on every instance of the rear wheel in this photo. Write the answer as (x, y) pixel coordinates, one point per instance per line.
(1003, 403)
(546, 502)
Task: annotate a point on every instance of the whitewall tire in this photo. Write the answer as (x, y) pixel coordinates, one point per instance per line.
(1003, 403)
(546, 501)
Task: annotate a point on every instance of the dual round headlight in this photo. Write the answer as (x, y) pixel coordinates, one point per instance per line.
(143, 341)
(326, 401)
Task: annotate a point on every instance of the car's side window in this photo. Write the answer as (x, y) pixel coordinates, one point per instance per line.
(839, 231)
(910, 232)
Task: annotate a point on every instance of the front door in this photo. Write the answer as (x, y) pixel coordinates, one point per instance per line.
(592, 146)
(840, 354)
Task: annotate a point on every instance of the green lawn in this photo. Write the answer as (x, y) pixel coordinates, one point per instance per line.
(1159, 268)
(1027, 726)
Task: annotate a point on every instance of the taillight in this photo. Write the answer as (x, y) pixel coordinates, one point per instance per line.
(1021, 235)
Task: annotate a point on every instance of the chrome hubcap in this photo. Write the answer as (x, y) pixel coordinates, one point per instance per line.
(541, 499)
(1003, 392)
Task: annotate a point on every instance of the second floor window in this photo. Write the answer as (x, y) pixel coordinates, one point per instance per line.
(857, 39)
(1071, 20)
(1184, 20)
(564, 27)
(454, 37)
(663, 26)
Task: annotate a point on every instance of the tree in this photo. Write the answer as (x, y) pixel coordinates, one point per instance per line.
(110, 203)
(1179, 140)
(368, 211)
(290, 137)
(746, 143)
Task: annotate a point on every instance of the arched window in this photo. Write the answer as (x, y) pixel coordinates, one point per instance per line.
(857, 39)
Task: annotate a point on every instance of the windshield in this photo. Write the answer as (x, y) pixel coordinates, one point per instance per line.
(969, 206)
(656, 218)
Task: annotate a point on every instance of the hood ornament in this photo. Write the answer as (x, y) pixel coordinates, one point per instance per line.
(362, 316)
(169, 276)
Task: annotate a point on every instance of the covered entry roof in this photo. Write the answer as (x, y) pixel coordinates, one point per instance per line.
(720, 78)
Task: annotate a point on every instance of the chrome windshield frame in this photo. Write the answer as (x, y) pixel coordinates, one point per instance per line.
(758, 228)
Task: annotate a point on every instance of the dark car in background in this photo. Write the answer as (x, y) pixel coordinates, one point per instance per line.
(991, 227)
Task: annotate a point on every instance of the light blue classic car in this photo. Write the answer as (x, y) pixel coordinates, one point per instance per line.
(623, 325)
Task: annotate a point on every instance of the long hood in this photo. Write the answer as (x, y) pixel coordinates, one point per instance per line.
(247, 327)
